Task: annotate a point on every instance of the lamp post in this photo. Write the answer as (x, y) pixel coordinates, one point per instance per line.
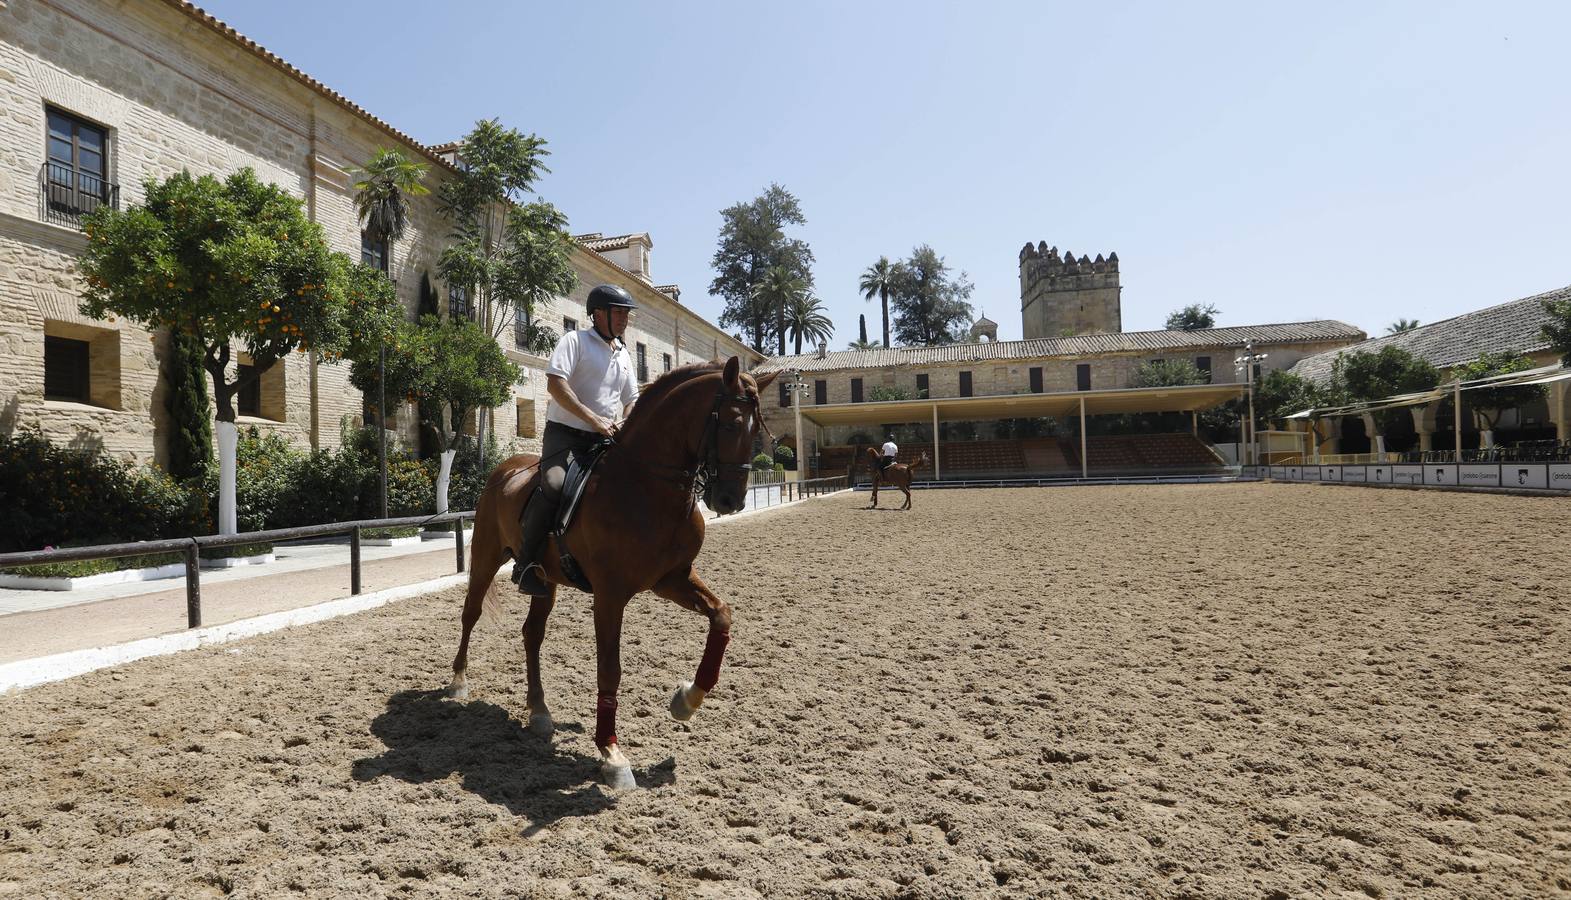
(1247, 362)
(796, 386)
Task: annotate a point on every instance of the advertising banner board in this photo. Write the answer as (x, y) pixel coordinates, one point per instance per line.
(1482, 475)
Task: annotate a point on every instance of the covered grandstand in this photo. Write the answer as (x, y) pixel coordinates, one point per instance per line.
(1071, 451)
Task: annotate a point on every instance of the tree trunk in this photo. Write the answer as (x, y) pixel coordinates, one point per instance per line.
(443, 477)
(228, 516)
(884, 295)
(798, 344)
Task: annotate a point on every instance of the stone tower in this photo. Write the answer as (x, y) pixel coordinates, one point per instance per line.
(1062, 296)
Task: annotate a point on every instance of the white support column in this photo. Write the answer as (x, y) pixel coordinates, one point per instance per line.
(1457, 402)
(1194, 422)
(938, 472)
(1084, 465)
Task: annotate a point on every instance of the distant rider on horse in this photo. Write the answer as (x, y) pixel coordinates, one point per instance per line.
(592, 384)
(890, 452)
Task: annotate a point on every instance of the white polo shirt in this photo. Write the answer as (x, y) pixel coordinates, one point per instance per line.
(890, 449)
(602, 378)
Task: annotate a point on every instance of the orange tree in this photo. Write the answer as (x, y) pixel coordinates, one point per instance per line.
(232, 262)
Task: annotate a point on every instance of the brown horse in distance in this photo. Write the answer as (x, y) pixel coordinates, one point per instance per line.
(897, 475)
(638, 528)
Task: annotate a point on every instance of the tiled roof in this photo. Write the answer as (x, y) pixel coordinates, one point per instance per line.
(597, 242)
(1513, 327)
(1081, 345)
(217, 25)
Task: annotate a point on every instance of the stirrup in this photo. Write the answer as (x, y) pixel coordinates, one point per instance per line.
(531, 580)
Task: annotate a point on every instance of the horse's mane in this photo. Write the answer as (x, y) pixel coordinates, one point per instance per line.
(665, 384)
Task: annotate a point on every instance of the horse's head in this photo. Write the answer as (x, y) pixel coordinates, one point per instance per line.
(729, 433)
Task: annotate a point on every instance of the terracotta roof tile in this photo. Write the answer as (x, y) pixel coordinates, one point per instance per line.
(1513, 327)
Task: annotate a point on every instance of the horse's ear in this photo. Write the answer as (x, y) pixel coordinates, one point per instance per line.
(732, 376)
(764, 381)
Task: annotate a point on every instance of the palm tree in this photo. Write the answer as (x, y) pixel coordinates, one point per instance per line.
(381, 199)
(1401, 325)
(805, 318)
(880, 279)
(863, 345)
(774, 293)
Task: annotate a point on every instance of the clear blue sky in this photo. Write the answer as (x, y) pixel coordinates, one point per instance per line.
(1354, 161)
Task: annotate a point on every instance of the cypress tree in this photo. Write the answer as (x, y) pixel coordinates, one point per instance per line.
(190, 416)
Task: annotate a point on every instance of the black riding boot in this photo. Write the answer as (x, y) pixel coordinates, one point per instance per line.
(527, 573)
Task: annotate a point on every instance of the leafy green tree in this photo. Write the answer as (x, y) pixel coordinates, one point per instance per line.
(882, 392)
(930, 302)
(382, 199)
(509, 256)
(1558, 329)
(1366, 376)
(190, 413)
(225, 262)
(1169, 373)
(1401, 325)
(778, 290)
(1193, 317)
(1279, 394)
(806, 319)
(1490, 403)
(753, 241)
(452, 366)
(879, 279)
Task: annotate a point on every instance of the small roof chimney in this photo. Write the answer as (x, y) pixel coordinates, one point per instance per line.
(823, 349)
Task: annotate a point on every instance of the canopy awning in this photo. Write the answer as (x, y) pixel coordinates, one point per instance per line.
(1541, 375)
(1186, 398)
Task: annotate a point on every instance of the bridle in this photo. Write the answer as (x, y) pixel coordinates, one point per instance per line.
(700, 481)
(711, 467)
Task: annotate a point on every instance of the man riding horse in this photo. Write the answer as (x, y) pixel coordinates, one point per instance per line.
(592, 384)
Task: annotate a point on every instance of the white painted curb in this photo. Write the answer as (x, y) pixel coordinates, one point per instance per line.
(66, 583)
(30, 672)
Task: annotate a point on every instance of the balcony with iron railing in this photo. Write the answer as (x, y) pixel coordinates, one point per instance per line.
(66, 194)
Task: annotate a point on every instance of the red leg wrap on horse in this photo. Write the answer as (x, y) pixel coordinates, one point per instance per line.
(605, 720)
(714, 651)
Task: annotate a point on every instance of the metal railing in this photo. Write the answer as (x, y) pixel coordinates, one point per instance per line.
(191, 548)
(66, 194)
(777, 492)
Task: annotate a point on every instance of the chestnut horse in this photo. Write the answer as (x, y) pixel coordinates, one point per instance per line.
(638, 528)
(897, 475)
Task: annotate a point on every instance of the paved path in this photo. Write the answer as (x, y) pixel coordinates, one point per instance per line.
(38, 623)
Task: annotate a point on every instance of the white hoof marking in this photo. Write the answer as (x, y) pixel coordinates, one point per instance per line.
(458, 689)
(681, 710)
(541, 725)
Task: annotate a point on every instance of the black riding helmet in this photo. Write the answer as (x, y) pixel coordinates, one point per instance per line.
(606, 296)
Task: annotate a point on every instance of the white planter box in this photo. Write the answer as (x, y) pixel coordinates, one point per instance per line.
(230, 562)
(62, 583)
(390, 542)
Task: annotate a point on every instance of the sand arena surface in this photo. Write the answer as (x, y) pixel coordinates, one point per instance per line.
(1092, 692)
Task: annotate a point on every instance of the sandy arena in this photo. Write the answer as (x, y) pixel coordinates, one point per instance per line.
(1204, 691)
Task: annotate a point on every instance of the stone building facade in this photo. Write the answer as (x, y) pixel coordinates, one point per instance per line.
(1044, 365)
(1061, 296)
(96, 98)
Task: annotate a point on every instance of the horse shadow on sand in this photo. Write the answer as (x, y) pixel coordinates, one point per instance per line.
(430, 738)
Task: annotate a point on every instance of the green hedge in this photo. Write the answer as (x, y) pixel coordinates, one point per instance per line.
(57, 496)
